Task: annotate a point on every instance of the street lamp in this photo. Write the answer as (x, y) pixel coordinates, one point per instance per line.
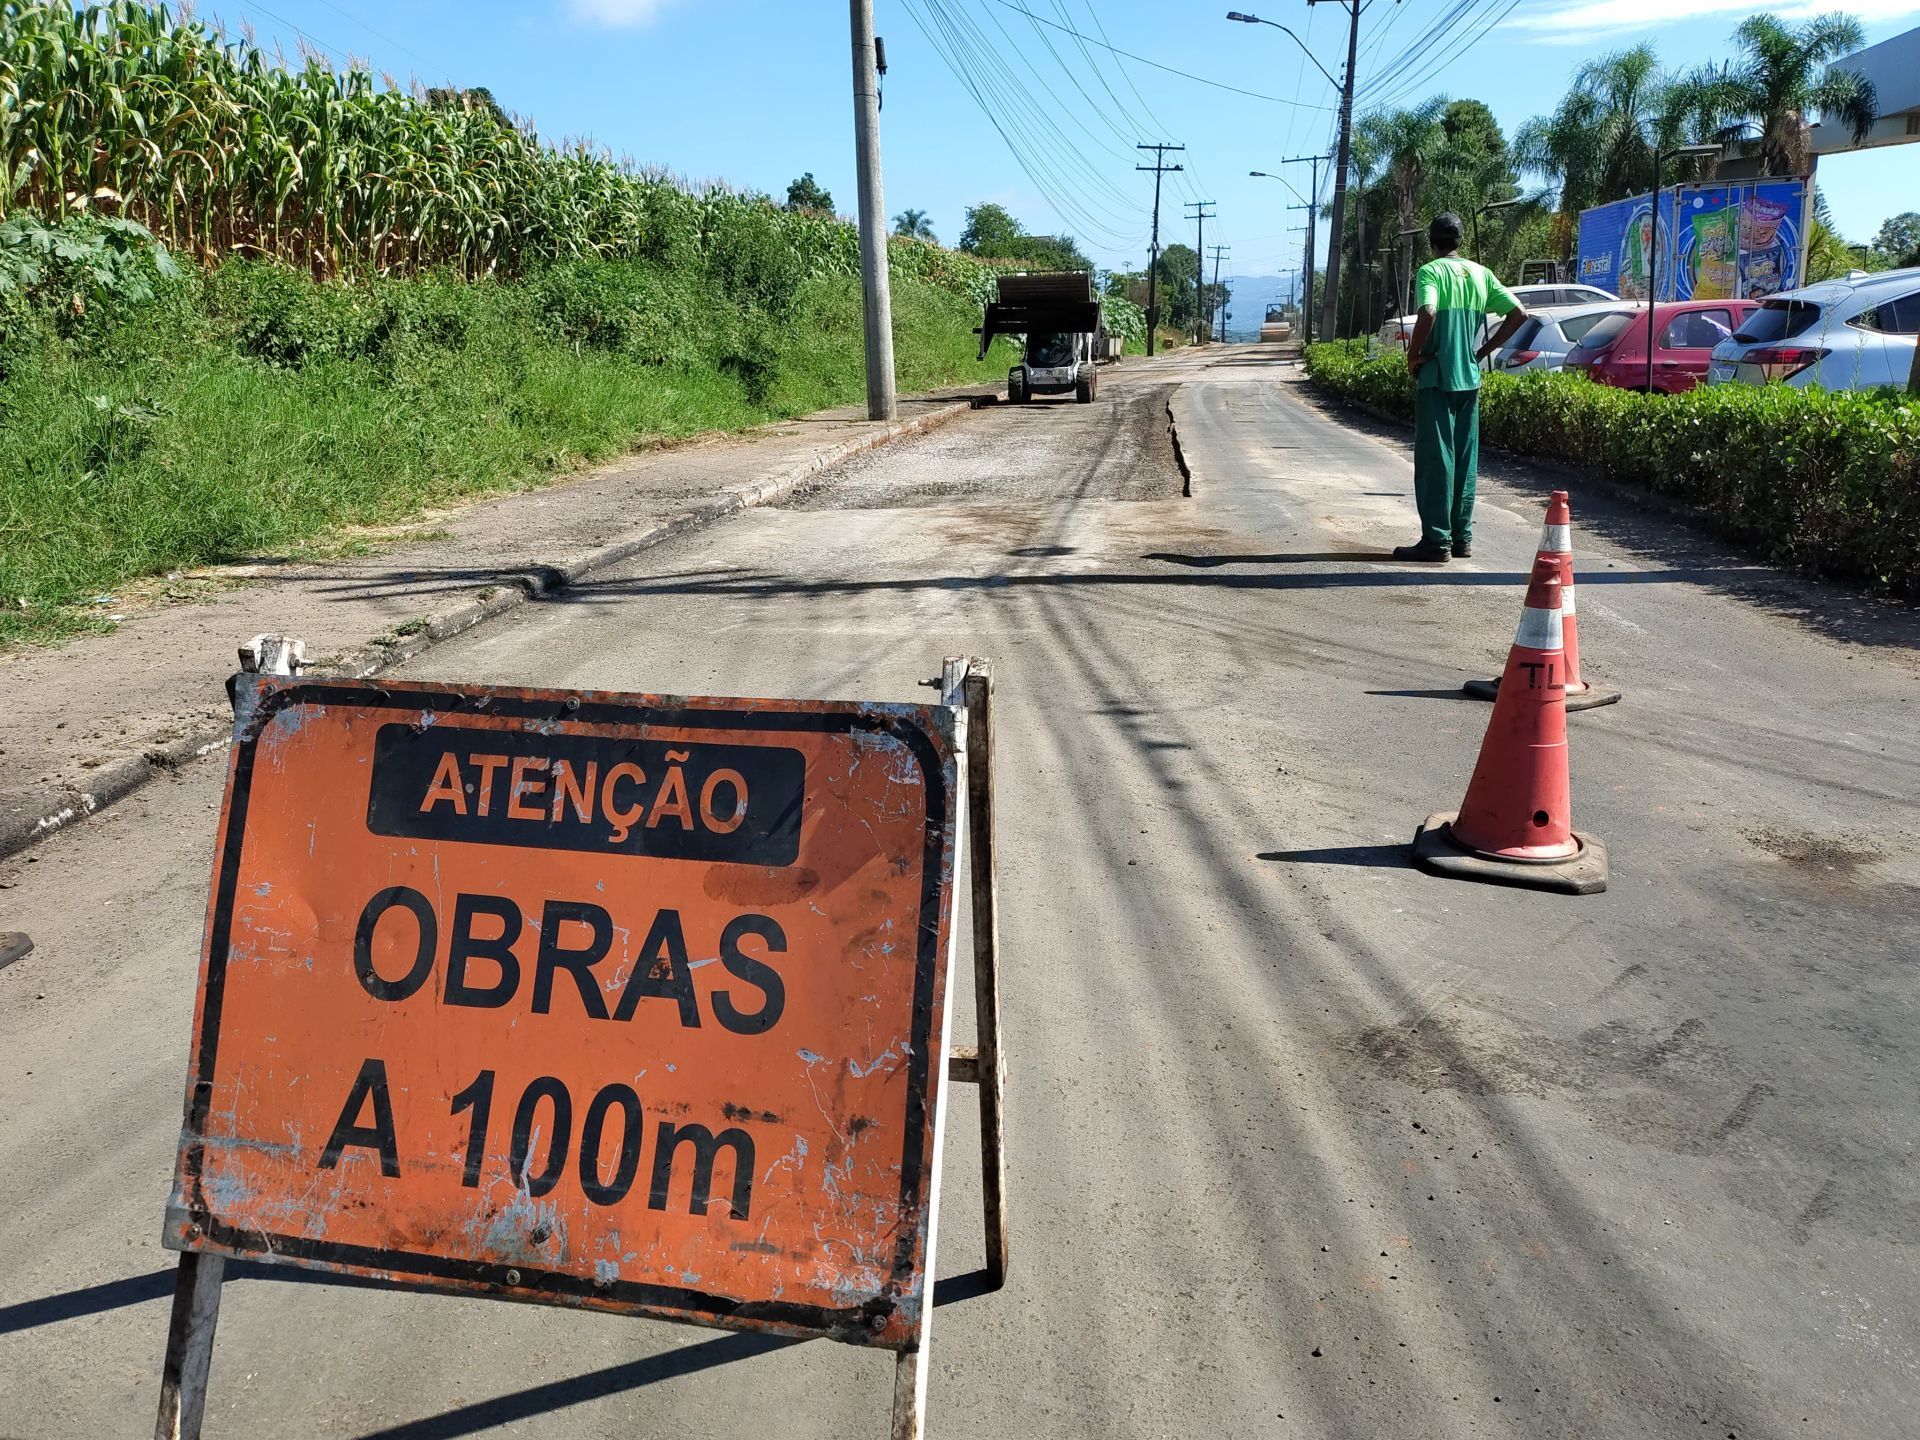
(1343, 87)
(1265, 175)
(1490, 205)
(1310, 208)
(1307, 327)
(1256, 20)
(1660, 157)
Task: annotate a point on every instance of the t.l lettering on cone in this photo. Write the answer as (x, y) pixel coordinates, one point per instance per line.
(1516, 825)
(1556, 543)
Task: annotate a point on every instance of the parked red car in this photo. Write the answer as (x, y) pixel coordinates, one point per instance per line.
(1614, 352)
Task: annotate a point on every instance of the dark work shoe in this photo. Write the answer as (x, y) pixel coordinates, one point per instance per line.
(1463, 549)
(1432, 554)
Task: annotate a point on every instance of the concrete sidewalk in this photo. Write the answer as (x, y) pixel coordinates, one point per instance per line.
(84, 724)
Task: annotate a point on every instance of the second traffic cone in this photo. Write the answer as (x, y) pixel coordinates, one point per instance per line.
(1516, 825)
(1556, 542)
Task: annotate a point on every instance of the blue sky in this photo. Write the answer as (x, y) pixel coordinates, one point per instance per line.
(756, 91)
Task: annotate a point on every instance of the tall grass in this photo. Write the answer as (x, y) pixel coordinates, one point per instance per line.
(388, 299)
(241, 412)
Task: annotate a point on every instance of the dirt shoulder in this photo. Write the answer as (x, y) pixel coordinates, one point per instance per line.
(86, 723)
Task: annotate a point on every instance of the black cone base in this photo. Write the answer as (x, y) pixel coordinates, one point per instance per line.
(1438, 853)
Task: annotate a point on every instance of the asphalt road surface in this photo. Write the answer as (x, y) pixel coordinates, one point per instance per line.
(1303, 1142)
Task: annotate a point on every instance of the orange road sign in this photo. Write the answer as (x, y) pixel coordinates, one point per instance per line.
(625, 1002)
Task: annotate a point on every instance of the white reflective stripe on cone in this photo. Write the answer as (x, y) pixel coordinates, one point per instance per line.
(1539, 630)
(1566, 600)
(1556, 539)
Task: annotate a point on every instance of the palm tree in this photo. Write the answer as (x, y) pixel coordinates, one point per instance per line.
(1409, 143)
(1599, 145)
(1764, 97)
(913, 223)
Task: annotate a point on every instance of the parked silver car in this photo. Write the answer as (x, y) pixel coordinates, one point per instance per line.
(1856, 333)
(1395, 329)
(1549, 333)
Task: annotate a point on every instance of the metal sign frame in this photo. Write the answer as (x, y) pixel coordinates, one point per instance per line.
(966, 690)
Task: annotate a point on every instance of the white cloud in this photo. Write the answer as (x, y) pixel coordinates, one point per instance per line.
(1606, 19)
(620, 14)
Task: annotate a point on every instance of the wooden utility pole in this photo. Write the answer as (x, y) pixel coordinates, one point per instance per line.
(1200, 215)
(1159, 168)
(876, 294)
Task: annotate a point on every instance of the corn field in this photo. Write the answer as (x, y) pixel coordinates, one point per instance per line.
(129, 110)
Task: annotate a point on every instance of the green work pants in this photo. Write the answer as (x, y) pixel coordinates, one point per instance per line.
(1446, 461)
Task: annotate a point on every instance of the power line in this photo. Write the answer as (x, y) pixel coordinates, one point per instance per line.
(1059, 173)
(1070, 110)
(344, 57)
(1409, 54)
(1466, 43)
(1071, 171)
(382, 35)
(1142, 60)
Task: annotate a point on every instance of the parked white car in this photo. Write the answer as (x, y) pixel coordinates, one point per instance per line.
(1856, 333)
(1550, 332)
(1398, 327)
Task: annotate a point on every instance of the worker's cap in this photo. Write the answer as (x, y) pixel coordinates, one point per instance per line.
(1443, 232)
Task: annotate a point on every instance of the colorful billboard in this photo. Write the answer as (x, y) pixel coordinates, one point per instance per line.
(1716, 242)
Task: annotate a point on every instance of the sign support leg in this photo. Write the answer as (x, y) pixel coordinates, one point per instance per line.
(967, 682)
(910, 1392)
(183, 1376)
(983, 872)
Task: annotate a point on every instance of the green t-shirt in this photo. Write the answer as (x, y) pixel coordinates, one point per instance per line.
(1462, 295)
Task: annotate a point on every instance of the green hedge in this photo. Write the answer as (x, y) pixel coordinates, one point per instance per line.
(1821, 479)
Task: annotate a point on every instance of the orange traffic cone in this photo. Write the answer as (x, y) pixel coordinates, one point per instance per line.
(1556, 542)
(1516, 825)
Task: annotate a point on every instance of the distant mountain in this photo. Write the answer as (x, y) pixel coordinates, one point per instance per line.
(1248, 297)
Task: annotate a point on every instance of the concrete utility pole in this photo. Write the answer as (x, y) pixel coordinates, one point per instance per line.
(1330, 307)
(1198, 213)
(1159, 168)
(1218, 251)
(875, 292)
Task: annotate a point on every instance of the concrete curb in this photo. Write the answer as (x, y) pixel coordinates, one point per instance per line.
(119, 778)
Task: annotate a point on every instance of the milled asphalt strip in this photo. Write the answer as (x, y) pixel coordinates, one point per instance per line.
(118, 778)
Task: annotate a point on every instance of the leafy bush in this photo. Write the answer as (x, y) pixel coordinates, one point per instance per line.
(1820, 479)
(77, 277)
(624, 308)
(279, 316)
